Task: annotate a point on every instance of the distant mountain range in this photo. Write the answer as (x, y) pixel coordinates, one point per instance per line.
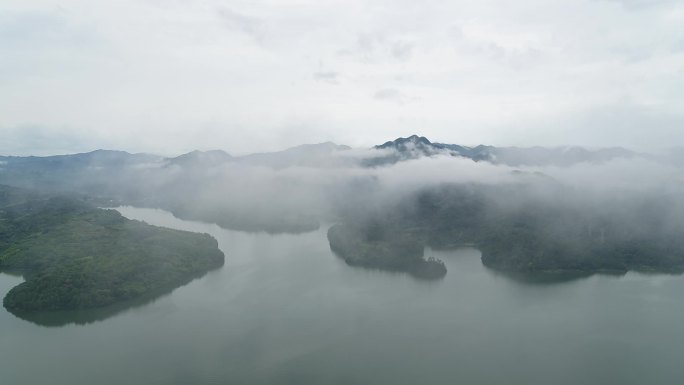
(201, 159)
(303, 155)
(152, 180)
(415, 146)
(94, 159)
(331, 154)
(330, 183)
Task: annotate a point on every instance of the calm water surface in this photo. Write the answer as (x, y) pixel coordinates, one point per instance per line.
(285, 310)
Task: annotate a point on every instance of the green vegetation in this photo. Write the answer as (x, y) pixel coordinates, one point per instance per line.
(377, 248)
(525, 228)
(74, 256)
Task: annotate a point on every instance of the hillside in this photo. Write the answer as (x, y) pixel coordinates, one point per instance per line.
(74, 256)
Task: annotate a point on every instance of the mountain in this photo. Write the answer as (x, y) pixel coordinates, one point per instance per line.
(303, 155)
(413, 143)
(244, 199)
(200, 159)
(415, 146)
(97, 172)
(93, 159)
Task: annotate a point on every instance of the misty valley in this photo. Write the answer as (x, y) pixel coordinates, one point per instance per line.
(319, 257)
(357, 192)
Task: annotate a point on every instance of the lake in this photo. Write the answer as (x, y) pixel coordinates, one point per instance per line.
(285, 310)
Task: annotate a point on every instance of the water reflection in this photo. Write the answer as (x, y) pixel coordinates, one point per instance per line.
(60, 318)
(285, 310)
(541, 279)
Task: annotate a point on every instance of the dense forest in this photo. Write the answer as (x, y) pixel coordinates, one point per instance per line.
(377, 247)
(538, 227)
(75, 256)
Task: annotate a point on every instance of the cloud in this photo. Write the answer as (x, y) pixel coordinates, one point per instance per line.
(327, 76)
(639, 4)
(391, 95)
(402, 50)
(623, 122)
(377, 46)
(388, 94)
(248, 25)
(153, 75)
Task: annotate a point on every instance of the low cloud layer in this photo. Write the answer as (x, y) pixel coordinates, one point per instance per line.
(322, 188)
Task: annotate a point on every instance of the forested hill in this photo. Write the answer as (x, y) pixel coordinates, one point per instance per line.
(520, 228)
(74, 256)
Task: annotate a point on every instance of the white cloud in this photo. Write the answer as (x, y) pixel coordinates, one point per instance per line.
(171, 76)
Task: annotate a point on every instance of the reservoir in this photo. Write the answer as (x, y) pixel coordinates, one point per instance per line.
(285, 310)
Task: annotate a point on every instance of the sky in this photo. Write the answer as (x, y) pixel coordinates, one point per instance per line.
(171, 76)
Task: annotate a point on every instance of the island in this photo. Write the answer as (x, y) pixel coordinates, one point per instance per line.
(383, 250)
(74, 256)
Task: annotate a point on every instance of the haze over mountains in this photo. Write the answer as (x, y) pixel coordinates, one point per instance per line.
(342, 192)
(418, 146)
(298, 188)
(513, 203)
(331, 154)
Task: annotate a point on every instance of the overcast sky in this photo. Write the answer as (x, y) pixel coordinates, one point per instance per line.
(169, 76)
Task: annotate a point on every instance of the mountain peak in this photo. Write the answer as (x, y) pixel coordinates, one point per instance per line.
(199, 158)
(415, 146)
(415, 139)
(404, 143)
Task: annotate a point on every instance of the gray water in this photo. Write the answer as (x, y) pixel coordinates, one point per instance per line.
(285, 310)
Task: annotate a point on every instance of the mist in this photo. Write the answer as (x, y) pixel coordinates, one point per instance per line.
(342, 192)
(322, 184)
(516, 205)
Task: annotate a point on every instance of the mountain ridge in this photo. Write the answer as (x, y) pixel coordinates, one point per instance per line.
(399, 149)
(414, 146)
